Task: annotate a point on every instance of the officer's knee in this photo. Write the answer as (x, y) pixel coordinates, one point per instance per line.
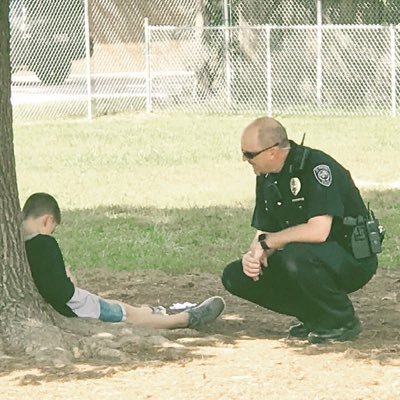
(291, 265)
(229, 276)
(291, 257)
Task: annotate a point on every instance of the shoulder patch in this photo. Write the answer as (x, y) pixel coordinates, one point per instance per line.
(323, 174)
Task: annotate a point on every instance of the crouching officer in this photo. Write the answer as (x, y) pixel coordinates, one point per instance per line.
(315, 239)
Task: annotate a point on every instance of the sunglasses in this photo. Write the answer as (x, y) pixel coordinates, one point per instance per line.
(248, 155)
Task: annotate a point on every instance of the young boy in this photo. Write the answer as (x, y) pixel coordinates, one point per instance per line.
(41, 215)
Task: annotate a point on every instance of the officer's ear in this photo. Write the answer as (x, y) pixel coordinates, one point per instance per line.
(273, 152)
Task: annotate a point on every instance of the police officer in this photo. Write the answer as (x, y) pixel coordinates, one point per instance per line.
(300, 262)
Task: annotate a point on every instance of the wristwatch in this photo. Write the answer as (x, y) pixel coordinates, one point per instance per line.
(262, 238)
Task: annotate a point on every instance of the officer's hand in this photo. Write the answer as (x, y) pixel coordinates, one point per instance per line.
(251, 265)
(260, 254)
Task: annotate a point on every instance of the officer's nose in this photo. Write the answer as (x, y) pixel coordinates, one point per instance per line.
(248, 160)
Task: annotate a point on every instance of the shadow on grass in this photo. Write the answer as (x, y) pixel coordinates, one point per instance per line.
(184, 240)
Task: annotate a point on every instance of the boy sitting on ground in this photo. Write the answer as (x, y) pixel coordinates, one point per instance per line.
(42, 215)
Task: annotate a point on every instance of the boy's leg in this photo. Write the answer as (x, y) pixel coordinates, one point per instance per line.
(87, 305)
(144, 316)
(204, 313)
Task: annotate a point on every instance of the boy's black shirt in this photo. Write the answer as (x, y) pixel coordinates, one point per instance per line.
(48, 271)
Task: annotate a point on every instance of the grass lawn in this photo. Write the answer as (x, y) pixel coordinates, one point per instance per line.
(169, 191)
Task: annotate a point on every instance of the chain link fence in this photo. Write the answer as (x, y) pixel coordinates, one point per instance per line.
(47, 50)
(306, 12)
(83, 58)
(330, 70)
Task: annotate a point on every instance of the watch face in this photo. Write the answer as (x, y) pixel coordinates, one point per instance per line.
(261, 237)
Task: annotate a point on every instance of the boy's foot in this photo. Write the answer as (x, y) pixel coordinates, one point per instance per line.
(206, 312)
(346, 332)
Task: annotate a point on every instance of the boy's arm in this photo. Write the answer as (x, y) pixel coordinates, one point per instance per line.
(71, 275)
(48, 270)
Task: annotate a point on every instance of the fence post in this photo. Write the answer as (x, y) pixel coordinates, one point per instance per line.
(87, 63)
(393, 69)
(269, 72)
(319, 52)
(147, 64)
(228, 69)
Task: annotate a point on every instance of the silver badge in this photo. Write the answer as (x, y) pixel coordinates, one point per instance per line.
(295, 186)
(323, 175)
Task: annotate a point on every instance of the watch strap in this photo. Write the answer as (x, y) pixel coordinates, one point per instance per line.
(262, 238)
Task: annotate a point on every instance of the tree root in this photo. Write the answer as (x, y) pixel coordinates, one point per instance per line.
(72, 340)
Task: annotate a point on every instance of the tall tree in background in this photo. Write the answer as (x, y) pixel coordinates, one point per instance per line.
(211, 52)
(25, 321)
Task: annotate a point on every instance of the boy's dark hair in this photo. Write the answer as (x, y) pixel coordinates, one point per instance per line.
(39, 204)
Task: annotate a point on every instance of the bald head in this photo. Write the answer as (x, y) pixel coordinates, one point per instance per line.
(265, 132)
(265, 145)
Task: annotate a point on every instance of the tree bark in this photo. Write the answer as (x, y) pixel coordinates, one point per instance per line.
(25, 320)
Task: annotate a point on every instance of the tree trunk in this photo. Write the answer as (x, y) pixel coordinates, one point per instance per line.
(209, 72)
(25, 321)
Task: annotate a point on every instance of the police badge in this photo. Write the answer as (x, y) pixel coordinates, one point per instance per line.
(295, 186)
(323, 174)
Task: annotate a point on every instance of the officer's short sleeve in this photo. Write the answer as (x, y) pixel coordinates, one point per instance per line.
(324, 190)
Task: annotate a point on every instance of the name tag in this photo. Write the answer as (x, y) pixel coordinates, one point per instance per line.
(297, 199)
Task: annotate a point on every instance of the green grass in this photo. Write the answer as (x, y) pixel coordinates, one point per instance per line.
(174, 240)
(169, 191)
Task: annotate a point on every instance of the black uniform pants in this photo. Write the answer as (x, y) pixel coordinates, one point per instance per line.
(308, 281)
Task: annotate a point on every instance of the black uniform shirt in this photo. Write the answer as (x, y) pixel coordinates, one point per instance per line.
(48, 271)
(311, 183)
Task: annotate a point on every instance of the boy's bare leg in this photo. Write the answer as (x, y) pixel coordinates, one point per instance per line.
(144, 316)
(200, 315)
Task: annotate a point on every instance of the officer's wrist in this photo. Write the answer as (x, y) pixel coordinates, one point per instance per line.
(262, 240)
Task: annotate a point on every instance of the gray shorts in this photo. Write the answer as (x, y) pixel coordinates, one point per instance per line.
(88, 305)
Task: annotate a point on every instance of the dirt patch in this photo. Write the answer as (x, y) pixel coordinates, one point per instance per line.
(245, 355)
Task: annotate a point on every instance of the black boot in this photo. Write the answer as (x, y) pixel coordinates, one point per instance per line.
(346, 332)
(300, 330)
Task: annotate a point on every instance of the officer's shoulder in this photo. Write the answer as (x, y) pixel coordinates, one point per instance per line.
(317, 157)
